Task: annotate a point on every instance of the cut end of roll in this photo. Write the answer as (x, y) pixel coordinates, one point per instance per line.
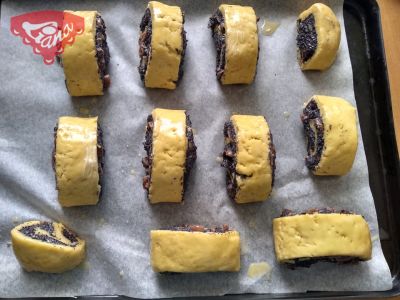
(249, 158)
(330, 128)
(47, 247)
(162, 46)
(318, 37)
(171, 154)
(85, 62)
(322, 235)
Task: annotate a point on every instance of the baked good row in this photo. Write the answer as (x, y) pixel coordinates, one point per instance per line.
(249, 154)
(249, 157)
(162, 46)
(300, 240)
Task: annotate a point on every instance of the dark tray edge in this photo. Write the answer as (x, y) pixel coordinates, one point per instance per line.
(387, 143)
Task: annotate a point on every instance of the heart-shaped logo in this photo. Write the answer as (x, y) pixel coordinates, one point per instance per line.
(47, 31)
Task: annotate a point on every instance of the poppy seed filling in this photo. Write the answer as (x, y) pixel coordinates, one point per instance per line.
(229, 159)
(199, 228)
(307, 39)
(102, 51)
(217, 26)
(327, 210)
(314, 132)
(32, 232)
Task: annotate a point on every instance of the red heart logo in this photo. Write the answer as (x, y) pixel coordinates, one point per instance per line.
(47, 31)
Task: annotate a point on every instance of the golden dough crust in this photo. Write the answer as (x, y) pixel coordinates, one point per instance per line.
(168, 155)
(166, 46)
(252, 158)
(80, 62)
(190, 252)
(37, 255)
(340, 135)
(76, 161)
(241, 44)
(321, 235)
(328, 37)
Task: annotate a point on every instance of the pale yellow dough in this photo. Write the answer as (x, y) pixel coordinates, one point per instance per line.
(166, 46)
(190, 252)
(80, 62)
(319, 235)
(37, 255)
(169, 155)
(241, 44)
(328, 37)
(252, 158)
(340, 135)
(76, 161)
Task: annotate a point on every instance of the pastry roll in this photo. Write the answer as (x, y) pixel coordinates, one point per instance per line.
(249, 158)
(321, 235)
(318, 37)
(194, 248)
(162, 46)
(171, 153)
(235, 33)
(78, 160)
(47, 247)
(85, 62)
(330, 127)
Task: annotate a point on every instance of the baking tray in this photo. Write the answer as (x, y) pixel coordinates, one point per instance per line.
(371, 86)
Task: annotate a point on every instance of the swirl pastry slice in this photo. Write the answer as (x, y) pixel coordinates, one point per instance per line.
(85, 61)
(330, 127)
(171, 153)
(162, 45)
(321, 235)
(318, 37)
(249, 158)
(194, 248)
(47, 247)
(235, 33)
(78, 160)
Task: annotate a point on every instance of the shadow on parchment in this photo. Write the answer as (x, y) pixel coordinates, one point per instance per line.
(219, 283)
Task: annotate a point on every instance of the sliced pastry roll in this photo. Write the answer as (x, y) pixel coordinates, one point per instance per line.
(78, 160)
(249, 158)
(171, 153)
(47, 247)
(85, 61)
(318, 37)
(330, 127)
(162, 45)
(235, 33)
(194, 248)
(321, 235)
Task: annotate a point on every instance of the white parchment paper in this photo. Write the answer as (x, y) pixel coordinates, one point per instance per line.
(33, 96)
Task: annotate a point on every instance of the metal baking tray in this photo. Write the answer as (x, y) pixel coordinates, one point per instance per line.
(371, 86)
